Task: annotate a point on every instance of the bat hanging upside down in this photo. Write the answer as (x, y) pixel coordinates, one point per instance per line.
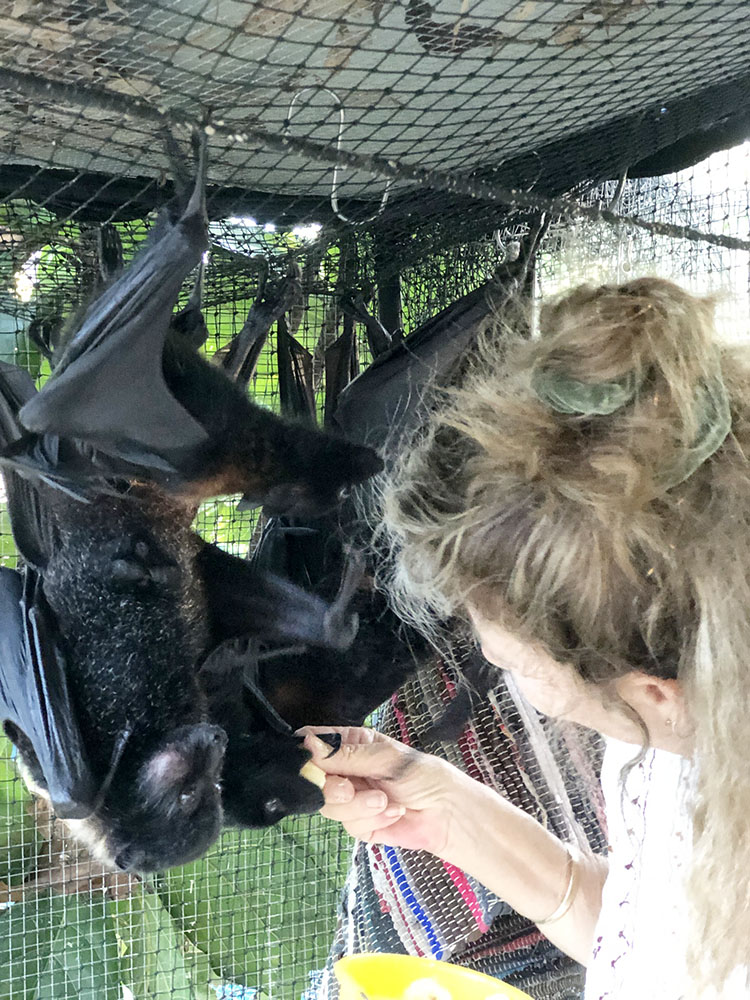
(118, 602)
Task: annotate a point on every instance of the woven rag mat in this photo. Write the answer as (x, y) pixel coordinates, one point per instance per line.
(410, 902)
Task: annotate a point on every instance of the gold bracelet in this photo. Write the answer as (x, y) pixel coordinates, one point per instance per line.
(572, 872)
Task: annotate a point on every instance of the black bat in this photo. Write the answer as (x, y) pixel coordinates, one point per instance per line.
(121, 599)
(130, 400)
(261, 781)
(239, 358)
(260, 692)
(328, 686)
(386, 402)
(383, 406)
(379, 339)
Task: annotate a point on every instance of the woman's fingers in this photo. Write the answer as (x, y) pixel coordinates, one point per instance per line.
(338, 790)
(348, 734)
(363, 753)
(367, 809)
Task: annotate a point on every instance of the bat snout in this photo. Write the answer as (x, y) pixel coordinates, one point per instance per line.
(131, 861)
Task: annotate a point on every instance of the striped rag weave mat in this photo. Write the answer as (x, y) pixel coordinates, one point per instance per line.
(411, 902)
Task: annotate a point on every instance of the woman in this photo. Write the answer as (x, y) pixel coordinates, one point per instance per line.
(583, 500)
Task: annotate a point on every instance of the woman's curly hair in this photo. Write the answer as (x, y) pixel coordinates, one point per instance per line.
(589, 489)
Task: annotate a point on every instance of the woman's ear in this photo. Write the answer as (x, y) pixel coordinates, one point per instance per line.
(660, 703)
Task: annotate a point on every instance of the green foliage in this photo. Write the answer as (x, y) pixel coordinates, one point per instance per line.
(155, 959)
(223, 904)
(8, 554)
(58, 948)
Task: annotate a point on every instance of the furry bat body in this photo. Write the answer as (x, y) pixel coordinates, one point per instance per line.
(383, 406)
(104, 469)
(261, 781)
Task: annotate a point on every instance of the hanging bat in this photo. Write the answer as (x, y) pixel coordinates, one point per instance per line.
(382, 406)
(120, 600)
(240, 357)
(131, 398)
(260, 692)
(386, 403)
(266, 774)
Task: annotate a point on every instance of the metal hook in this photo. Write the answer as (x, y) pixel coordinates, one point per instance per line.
(337, 167)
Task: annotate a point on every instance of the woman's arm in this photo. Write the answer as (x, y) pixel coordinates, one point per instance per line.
(523, 863)
(385, 792)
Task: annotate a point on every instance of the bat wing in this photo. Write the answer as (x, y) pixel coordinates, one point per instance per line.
(189, 322)
(35, 705)
(379, 339)
(243, 600)
(341, 366)
(239, 358)
(110, 377)
(296, 393)
(36, 708)
(385, 402)
(31, 514)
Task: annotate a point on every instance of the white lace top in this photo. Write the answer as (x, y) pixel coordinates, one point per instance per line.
(639, 943)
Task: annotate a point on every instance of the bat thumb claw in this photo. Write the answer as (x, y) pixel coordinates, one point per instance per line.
(340, 629)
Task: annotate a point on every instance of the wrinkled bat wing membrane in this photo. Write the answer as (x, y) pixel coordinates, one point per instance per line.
(31, 518)
(385, 403)
(108, 389)
(35, 702)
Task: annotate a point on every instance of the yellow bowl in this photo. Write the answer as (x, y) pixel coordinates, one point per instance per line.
(388, 977)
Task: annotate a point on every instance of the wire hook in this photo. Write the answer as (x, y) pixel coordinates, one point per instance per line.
(337, 167)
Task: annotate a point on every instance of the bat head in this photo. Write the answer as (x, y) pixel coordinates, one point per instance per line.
(174, 811)
(262, 783)
(338, 465)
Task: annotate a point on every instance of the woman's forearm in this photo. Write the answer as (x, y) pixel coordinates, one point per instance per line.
(521, 862)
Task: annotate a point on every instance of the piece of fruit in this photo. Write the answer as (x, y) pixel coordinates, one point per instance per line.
(311, 772)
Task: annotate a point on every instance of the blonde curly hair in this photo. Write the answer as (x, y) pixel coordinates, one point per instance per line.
(585, 490)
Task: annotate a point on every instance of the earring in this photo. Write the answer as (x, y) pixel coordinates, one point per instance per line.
(670, 723)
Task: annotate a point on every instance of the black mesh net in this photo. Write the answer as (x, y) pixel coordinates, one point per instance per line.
(401, 151)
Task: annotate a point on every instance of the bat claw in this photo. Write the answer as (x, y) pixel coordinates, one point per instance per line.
(340, 628)
(333, 740)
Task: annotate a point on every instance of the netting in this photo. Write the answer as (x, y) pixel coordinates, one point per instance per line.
(400, 151)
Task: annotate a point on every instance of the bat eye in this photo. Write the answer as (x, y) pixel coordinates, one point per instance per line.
(187, 799)
(274, 807)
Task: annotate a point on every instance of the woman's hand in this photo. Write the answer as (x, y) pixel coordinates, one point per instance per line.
(384, 792)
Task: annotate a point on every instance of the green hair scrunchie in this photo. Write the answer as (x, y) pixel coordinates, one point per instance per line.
(567, 395)
(712, 402)
(564, 394)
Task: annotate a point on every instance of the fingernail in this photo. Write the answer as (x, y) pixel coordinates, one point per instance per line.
(317, 745)
(340, 791)
(392, 811)
(376, 800)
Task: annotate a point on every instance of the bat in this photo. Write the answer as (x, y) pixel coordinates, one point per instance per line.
(379, 339)
(123, 381)
(240, 357)
(120, 601)
(383, 406)
(261, 692)
(386, 403)
(263, 775)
